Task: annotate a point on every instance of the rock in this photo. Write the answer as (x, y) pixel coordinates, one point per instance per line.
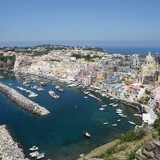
(148, 154)
(157, 143)
(149, 146)
(140, 156)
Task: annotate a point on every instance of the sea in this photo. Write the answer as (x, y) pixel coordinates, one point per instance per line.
(60, 134)
(131, 49)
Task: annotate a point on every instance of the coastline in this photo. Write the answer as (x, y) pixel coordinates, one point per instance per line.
(9, 149)
(22, 101)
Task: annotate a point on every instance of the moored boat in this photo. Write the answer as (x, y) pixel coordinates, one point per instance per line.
(34, 154)
(41, 155)
(33, 148)
(85, 133)
(131, 122)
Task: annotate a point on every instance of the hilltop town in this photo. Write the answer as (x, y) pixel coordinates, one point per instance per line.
(132, 78)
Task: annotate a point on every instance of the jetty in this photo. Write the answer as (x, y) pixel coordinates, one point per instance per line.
(22, 101)
(9, 149)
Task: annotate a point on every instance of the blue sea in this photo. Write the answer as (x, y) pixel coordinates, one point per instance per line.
(131, 50)
(59, 134)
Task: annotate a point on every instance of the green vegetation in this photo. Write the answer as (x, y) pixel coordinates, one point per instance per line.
(7, 62)
(86, 57)
(39, 53)
(133, 135)
(157, 124)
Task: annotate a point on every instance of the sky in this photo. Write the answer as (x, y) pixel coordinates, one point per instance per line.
(105, 22)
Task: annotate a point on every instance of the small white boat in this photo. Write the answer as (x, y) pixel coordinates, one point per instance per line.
(101, 109)
(137, 115)
(34, 154)
(33, 148)
(114, 125)
(111, 98)
(111, 104)
(85, 97)
(114, 105)
(131, 122)
(118, 120)
(103, 105)
(32, 94)
(105, 123)
(41, 155)
(85, 133)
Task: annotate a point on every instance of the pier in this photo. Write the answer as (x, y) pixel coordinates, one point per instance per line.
(22, 101)
(9, 149)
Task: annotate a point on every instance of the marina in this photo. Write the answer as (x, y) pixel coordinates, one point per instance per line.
(54, 133)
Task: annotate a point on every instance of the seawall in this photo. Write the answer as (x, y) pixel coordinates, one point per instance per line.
(9, 149)
(22, 101)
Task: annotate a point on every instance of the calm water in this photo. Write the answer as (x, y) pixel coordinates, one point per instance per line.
(59, 134)
(131, 50)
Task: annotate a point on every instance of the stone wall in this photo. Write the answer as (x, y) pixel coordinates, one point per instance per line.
(22, 101)
(9, 149)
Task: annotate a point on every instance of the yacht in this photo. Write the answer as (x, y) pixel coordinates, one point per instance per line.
(59, 88)
(33, 148)
(131, 122)
(41, 155)
(101, 109)
(32, 94)
(34, 154)
(53, 94)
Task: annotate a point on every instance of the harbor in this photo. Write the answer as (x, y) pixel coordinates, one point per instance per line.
(54, 133)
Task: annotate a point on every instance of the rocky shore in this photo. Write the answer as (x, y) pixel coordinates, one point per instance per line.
(22, 101)
(9, 149)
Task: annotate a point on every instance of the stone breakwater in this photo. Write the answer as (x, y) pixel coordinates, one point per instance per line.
(22, 101)
(9, 149)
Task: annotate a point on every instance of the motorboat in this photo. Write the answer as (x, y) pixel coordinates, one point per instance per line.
(34, 154)
(33, 148)
(32, 94)
(114, 125)
(103, 105)
(105, 123)
(58, 88)
(53, 94)
(131, 122)
(115, 105)
(41, 155)
(101, 109)
(85, 133)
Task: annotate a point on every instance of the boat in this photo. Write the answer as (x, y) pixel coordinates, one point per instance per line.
(111, 104)
(101, 109)
(111, 98)
(53, 94)
(85, 97)
(33, 148)
(137, 115)
(131, 122)
(58, 88)
(41, 155)
(34, 154)
(114, 125)
(105, 123)
(85, 133)
(103, 105)
(118, 120)
(115, 105)
(32, 94)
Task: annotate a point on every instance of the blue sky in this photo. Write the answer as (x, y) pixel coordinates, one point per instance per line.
(85, 21)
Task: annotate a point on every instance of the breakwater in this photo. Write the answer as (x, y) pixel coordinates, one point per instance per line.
(22, 101)
(9, 149)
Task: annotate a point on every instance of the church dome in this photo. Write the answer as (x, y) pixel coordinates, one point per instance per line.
(149, 58)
